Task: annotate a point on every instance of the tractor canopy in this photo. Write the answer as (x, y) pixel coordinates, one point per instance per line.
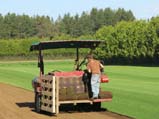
(44, 45)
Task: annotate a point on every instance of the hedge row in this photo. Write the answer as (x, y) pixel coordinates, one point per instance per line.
(129, 43)
(20, 49)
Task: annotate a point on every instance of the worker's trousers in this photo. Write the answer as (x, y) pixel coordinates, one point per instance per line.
(95, 84)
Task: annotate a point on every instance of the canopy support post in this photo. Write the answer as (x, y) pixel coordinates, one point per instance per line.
(77, 59)
(40, 62)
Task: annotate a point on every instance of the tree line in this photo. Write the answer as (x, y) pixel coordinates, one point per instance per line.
(23, 26)
(125, 39)
(127, 42)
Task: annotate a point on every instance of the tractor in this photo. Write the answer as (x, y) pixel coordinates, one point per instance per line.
(56, 88)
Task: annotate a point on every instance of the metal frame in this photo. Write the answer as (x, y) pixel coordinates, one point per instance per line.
(44, 45)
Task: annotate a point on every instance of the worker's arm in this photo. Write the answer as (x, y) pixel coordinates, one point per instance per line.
(101, 66)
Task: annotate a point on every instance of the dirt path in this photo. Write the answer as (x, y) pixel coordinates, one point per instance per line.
(17, 103)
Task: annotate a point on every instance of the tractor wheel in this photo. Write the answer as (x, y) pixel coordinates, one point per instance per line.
(97, 106)
(37, 103)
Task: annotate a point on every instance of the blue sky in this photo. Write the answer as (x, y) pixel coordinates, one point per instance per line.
(142, 9)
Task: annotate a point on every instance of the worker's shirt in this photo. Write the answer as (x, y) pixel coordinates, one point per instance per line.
(94, 66)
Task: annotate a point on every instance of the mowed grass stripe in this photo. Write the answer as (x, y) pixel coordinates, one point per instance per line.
(135, 92)
(139, 87)
(18, 74)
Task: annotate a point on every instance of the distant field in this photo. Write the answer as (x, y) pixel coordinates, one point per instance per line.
(135, 89)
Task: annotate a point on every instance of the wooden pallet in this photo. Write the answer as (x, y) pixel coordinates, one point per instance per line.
(49, 94)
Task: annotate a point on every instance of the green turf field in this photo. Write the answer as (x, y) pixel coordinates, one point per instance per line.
(135, 89)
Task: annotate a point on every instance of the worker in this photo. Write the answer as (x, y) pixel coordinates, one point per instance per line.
(94, 67)
(35, 81)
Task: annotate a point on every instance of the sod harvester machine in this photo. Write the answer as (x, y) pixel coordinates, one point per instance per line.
(58, 88)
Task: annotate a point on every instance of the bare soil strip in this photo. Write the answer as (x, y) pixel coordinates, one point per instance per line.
(17, 103)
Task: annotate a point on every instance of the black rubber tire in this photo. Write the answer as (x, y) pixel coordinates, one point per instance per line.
(97, 106)
(37, 103)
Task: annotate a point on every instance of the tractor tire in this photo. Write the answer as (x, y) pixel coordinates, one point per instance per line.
(96, 106)
(37, 103)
